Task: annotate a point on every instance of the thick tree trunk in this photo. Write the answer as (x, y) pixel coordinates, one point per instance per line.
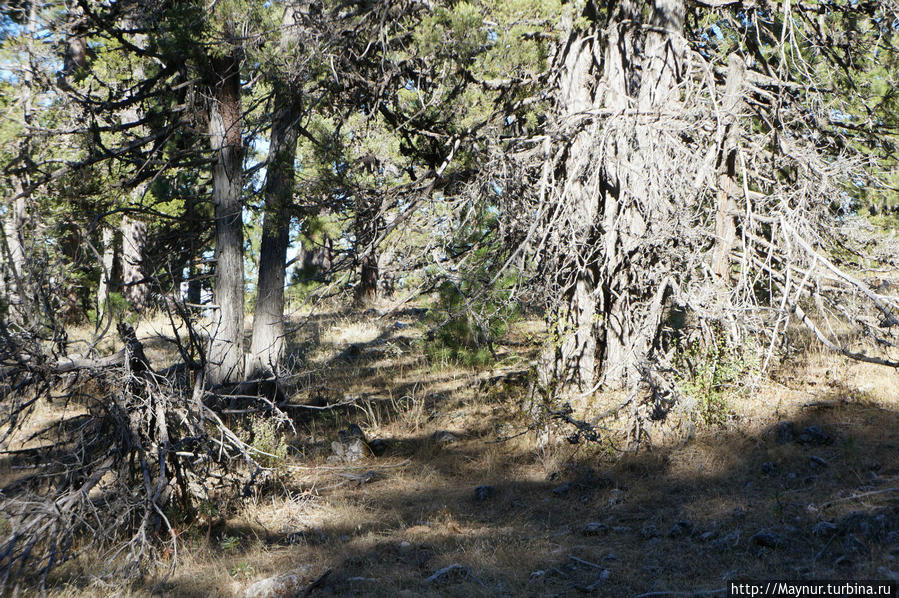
(267, 345)
(134, 242)
(569, 359)
(366, 292)
(226, 355)
(633, 301)
(612, 306)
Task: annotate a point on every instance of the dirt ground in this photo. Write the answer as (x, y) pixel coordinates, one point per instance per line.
(467, 498)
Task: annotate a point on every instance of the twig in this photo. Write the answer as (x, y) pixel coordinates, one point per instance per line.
(856, 496)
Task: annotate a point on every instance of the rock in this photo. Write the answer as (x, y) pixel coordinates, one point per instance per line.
(816, 460)
(768, 539)
(767, 467)
(378, 446)
(280, 586)
(595, 528)
(728, 541)
(562, 490)
(482, 493)
(444, 436)
(852, 545)
(616, 497)
(405, 546)
(871, 526)
(785, 432)
(824, 528)
(649, 531)
(680, 529)
(451, 571)
(349, 451)
(707, 536)
(815, 436)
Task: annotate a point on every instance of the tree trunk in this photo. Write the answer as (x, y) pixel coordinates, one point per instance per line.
(226, 356)
(14, 255)
(725, 225)
(366, 293)
(569, 359)
(106, 274)
(267, 345)
(134, 242)
(612, 304)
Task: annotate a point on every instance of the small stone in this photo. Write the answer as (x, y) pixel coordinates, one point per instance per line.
(405, 546)
(706, 536)
(615, 497)
(378, 446)
(853, 545)
(814, 435)
(824, 528)
(595, 528)
(768, 539)
(785, 432)
(649, 531)
(816, 460)
(767, 467)
(680, 529)
(482, 493)
(279, 586)
(444, 436)
(562, 490)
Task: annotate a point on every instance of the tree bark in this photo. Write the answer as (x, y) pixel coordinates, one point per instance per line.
(14, 255)
(267, 345)
(226, 355)
(108, 242)
(612, 308)
(134, 242)
(569, 359)
(366, 292)
(725, 224)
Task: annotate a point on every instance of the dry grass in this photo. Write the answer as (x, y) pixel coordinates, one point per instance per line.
(419, 512)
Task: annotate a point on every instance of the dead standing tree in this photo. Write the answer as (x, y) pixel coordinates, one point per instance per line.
(657, 191)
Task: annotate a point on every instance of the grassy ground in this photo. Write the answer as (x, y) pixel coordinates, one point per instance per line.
(559, 519)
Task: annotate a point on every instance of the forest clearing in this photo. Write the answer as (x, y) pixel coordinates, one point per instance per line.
(448, 297)
(798, 481)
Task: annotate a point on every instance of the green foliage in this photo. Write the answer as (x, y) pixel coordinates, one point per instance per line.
(467, 329)
(709, 376)
(119, 308)
(264, 435)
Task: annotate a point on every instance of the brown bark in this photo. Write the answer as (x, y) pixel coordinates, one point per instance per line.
(267, 344)
(226, 356)
(366, 292)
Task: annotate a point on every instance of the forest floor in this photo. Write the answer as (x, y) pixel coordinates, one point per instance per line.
(801, 481)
